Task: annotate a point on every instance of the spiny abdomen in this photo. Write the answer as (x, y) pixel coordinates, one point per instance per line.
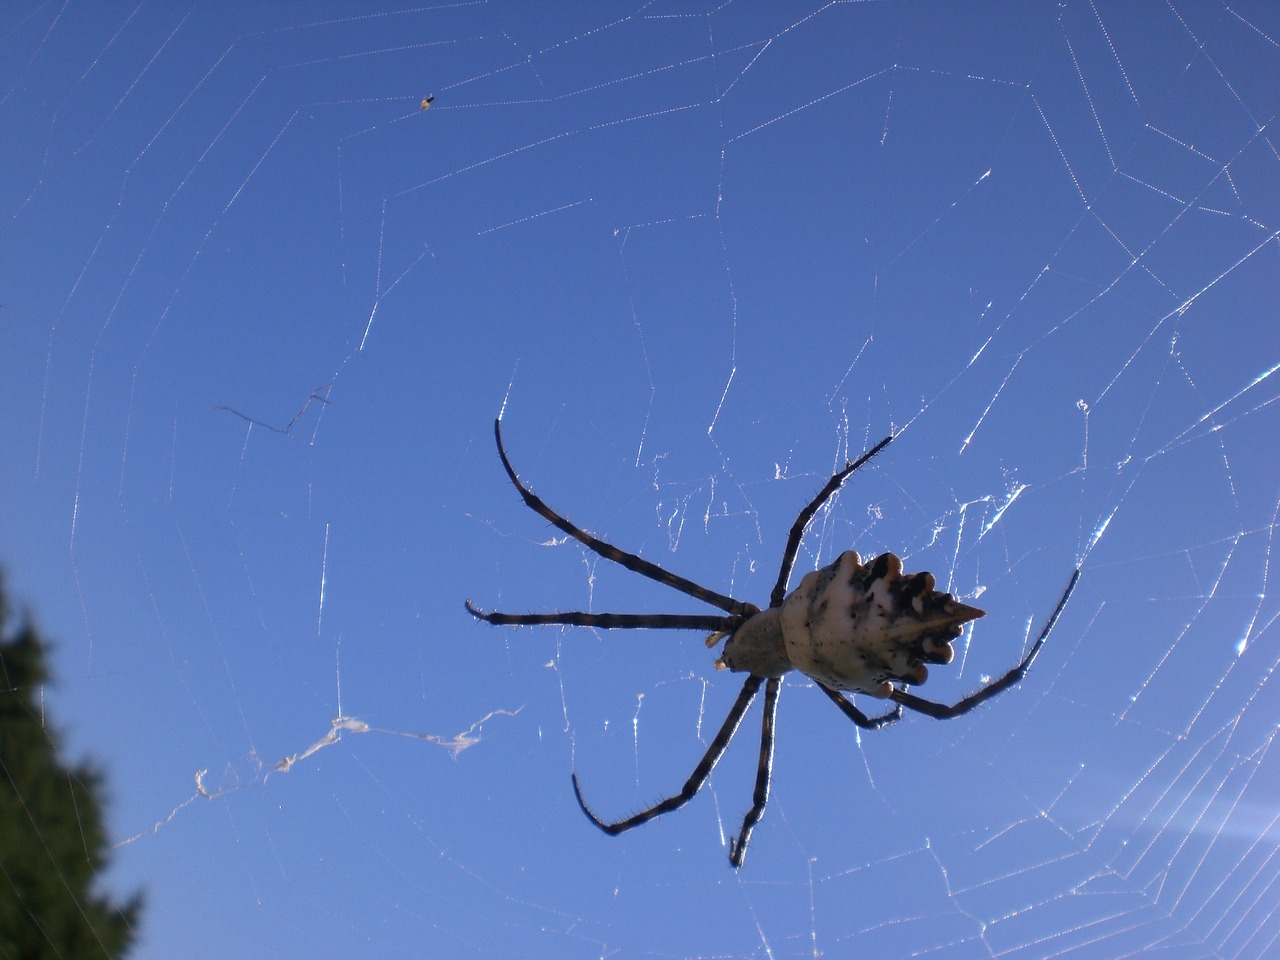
(862, 627)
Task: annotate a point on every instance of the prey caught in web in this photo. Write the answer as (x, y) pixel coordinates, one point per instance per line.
(850, 627)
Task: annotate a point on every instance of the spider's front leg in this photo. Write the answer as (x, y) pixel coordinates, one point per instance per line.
(764, 774)
(631, 561)
(606, 621)
(696, 779)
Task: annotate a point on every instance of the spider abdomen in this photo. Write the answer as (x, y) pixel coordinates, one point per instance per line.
(862, 627)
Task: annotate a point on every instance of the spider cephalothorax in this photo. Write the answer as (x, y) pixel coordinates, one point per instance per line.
(849, 626)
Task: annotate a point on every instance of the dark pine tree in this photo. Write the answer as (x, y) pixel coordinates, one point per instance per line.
(52, 844)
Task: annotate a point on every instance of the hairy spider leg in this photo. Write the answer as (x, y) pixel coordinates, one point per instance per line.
(856, 715)
(764, 769)
(943, 711)
(806, 515)
(609, 621)
(607, 550)
(715, 751)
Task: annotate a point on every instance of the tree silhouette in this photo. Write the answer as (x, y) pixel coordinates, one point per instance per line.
(52, 844)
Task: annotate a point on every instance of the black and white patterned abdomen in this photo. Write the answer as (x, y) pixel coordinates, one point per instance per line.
(862, 627)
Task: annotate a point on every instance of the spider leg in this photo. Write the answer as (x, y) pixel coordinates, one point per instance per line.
(856, 715)
(610, 621)
(700, 773)
(806, 515)
(943, 711)
(632, 562)
(760, 797)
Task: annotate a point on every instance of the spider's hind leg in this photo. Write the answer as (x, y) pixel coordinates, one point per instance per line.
(945, 711)
(856, 715)
(807, 514)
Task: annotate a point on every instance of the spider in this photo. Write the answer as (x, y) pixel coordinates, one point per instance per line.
(849, 626)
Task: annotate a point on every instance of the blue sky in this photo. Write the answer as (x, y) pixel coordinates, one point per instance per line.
(260, 310)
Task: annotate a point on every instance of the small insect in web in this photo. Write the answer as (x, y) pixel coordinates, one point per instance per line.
(849, 626)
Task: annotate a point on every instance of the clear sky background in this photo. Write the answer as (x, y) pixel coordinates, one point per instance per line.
(259, 310)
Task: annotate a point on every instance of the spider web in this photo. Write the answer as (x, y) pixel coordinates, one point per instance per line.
(263, 301)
